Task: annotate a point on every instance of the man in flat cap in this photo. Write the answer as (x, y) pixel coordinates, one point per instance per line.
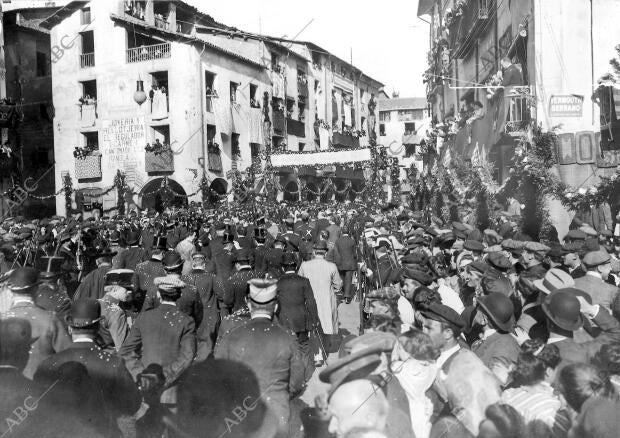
(268, 349)
(464, 384)
(114, 325)
(598, 265)
(532, 257)
(572, 260)
(164, 336)
(48, 333)
(107, 371)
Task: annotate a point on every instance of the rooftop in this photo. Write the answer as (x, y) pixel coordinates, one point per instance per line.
(401, 103)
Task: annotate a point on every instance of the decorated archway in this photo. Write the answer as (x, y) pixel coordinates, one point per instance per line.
(291, 191)
(161, 193)
(311, 190)
(219, 186)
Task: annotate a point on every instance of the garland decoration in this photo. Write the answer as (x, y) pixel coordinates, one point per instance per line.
(121, 189)
(68, 189)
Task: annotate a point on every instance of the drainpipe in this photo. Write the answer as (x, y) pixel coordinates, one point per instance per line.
(592, 51)
(201, 78)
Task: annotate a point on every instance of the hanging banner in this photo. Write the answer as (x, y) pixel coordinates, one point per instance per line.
(566, 106)
(122, 140)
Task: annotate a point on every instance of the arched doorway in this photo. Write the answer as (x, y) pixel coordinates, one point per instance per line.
(219, 187)
(291, 191)
(155, 195)
(356, 187)
(340, 186)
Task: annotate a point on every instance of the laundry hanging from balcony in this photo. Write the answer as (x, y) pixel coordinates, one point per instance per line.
(159, 105)
(255, 126)
(89, 114)
(277, 81)
(223, 116)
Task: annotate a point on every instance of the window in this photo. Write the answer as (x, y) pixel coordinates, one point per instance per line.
(254, 98)
(161, 134)
(88, 42)
(233, 91)
(384, 116)
(235, 149)
(89, 90)
(91, 140)
(210, 90)
(275, 62)
(290, 108)
(42, 64)
(85, 16)
(302, 146)
(409, 128)
(409, 150)
(382, 129)
(301, 109)
(255, 149)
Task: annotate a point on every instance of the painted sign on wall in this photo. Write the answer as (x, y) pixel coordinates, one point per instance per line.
(122, 140)
(566, 106)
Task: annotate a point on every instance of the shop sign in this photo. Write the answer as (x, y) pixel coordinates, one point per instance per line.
(566, 106)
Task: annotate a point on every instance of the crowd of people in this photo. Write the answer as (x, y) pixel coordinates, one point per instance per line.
(215, 323)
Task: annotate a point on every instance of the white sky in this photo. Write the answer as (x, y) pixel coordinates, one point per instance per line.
(389, 42)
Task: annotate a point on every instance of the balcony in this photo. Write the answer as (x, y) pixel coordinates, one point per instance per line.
(279, 123)
(345, 141)
(295, 127)
(88, 167)
(148, 53)
(518, 114)
(471, 25)
(159, 162)
(87, 60)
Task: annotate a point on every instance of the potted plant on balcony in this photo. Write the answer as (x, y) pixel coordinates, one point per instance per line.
(87, 162)
(158, 157)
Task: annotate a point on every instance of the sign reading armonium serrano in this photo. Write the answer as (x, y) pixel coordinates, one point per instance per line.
(566, 106)
(122, 140)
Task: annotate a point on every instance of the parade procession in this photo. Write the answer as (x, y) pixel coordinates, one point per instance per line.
(214, 230)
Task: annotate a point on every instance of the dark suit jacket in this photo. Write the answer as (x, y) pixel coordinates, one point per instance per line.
(260, 259)
(571, 351)
(92, 285)
(296, 304)
(237, 289)
(293, 241)
(107, 371)
(164, 336)
(273, 354)
(345, 253)
(130, 258)
(497, 346)
(206, 285)
(48, 336)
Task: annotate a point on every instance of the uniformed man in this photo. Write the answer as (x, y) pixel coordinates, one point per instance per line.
(48, 333)
(274, 256)
(162, 336)
(133, 255)
(211, 292)
(189, 302)
(293, 240)
(237, 284)
(269, 350)
(107, 372)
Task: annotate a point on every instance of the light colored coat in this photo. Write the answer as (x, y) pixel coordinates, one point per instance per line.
(325, 281)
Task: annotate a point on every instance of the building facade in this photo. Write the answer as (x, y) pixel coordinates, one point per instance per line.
(551, 54)
(167, 95)
(403, 123)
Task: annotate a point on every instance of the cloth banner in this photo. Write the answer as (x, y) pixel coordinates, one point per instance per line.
(320, 102)
(255, 124)
(320, 158)
(277, 81)
(324, 138)
(347, 114)
(89, 115)
(223, 117)
(160, 106)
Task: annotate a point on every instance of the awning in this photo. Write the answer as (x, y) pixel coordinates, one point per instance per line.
(320, 158)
